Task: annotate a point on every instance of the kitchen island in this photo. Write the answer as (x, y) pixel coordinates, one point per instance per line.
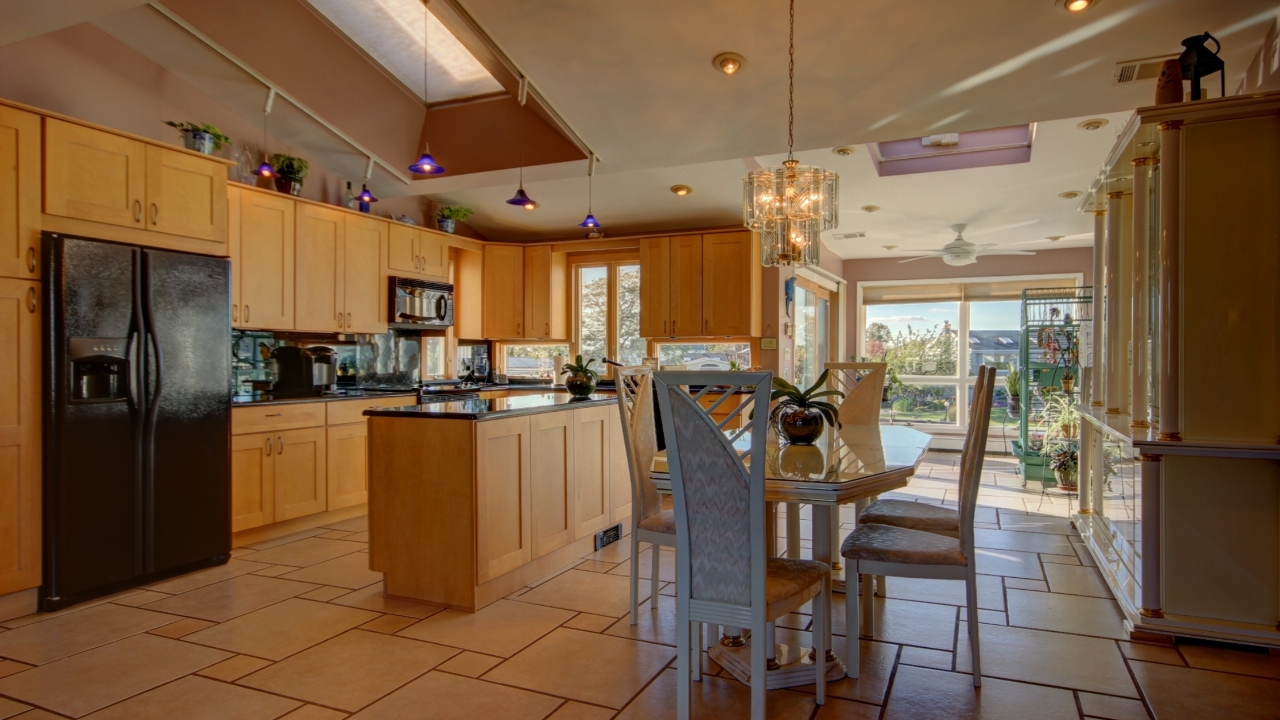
(471, 500)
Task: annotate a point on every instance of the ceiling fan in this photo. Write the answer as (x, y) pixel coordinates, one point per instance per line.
(963, 252)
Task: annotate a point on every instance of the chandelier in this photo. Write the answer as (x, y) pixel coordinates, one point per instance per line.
(791, 205)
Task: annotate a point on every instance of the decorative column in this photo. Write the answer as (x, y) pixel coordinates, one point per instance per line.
(1151, 603)
(1084, 468)
(1140, 331)
(1097, 373)
(1115, 364)
(1170, 278)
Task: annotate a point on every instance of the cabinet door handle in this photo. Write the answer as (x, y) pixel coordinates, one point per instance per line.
(246, 313)
(519, 330)
(268, 447)
(31, 299)
(235, 313)
(31, 258)
(348, 321)
(704, 327)
(417, 263)
(155, 214)
(279, 445)
(546, 329)
(274, 415)
(339, 319)
(137, 211)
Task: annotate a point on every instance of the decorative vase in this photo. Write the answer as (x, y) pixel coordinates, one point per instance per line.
(289, 185)
(1068, 383)
(1067, 479)
(802, 461)
(201, 142)
(1015, 406)
(801, 426)
(580, 386)
(447, 225)
(1169, 84)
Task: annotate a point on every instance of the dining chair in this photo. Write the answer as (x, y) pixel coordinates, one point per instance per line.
(875, 549)
(650, 523)
(723, 573)
(863, 386)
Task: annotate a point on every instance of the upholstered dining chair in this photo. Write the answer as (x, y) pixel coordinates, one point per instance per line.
(863, 388)
(723, 573)
(873, 549)
(651, 524)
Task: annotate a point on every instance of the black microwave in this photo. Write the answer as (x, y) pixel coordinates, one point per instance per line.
(420, 304)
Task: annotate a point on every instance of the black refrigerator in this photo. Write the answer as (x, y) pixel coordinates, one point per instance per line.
(137, 416)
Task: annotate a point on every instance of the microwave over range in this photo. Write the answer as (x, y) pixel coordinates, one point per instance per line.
(420, 304)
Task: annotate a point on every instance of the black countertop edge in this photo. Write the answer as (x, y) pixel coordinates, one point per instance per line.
(491, 409)
(246, 401)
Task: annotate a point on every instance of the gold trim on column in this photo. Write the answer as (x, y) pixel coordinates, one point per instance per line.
(1170, 437)
(1151, 613)
(1143, 161)
(1144, 457)
(1169, 125)
(1140, 424)
(1085, 512)
(1114, 411)
(1100, 211)
(1096, 403)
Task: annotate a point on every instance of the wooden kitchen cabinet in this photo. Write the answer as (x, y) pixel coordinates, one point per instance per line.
(551, 481)
(686, 285)
(502, 496)
(347, 475)
(300, 473)
(253, 488)
(620, 496)
(434, 251)
(94, 175)
(415, 252)
(318, 269)
(364, 296)
(655, 287)
(730, 285)
(592, 511)
(545, 294)
(20, 486)
(19, 194)
(503, 292)
(186, 195)
(262, 260)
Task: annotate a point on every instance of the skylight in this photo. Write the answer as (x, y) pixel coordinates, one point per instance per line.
(390, 31)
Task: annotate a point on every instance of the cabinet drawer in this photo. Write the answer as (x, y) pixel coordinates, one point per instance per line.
(342, 412)
(270, 418)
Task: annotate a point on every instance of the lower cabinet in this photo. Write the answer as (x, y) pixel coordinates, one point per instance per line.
(300, 473)
(253, 484)
(619, 469)
(347, 451)
(19, 435)
(277, 476)
(591, 470)
(551, 480)
(503, 528)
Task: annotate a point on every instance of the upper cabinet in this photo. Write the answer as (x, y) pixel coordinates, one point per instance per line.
(186, 195)
(364, 292)
(503, 291)
(19, 194)
(525, 293)
(338, 279)
(415, 252)
(261, 241)
(700, 285)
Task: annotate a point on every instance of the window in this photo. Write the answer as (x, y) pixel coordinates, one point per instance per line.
(607, 312)
(705, 356)
(812, 331)
(434, 366)
(536, 361)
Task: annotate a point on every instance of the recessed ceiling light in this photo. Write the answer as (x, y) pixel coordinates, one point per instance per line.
(1069, 195)
(1075, 6)
(728, 63)
(1093, 124)
(870, 208)
(681, 190)
(844, 150)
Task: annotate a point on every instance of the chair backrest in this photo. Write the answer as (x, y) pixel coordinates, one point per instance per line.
(863, 387)
(640, 436)
(975, 448)
(719, 492)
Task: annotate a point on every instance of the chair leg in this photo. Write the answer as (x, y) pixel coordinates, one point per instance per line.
(868, 607)
(759, 672)
(882, 587)
(635, 573)
(971, 588)
(682, 661)
(653, 579)
(821, 619)
(852, 622)
(695, 630)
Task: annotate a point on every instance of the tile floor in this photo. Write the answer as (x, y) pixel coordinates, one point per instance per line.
(297, 628)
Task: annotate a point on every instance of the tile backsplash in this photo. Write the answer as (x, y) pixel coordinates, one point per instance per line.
(392, 358)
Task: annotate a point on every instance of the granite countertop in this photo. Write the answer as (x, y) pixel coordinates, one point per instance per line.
(523, 404)
(269, 399)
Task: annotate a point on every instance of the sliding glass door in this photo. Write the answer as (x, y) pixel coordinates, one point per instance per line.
(813, 331)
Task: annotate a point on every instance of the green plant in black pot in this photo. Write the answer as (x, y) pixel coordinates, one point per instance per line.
(580, 379)
(201, 137)
(290, 172)
(799, 416)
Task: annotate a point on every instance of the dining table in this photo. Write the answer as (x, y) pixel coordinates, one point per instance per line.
(850, 465)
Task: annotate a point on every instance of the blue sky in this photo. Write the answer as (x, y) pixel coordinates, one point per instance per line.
(1003, 315)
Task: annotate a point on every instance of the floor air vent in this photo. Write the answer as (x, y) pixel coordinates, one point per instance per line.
(608, 536)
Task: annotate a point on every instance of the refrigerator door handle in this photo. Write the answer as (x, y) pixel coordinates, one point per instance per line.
(153, 407)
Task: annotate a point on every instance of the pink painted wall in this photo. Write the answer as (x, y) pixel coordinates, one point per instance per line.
(1044, 262)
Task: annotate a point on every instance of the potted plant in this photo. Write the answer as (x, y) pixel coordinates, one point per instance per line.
(1012, 384)
(580, 378)
(1062, 416)
(201, 137)
(449, 216)
(1064, 460)
(799, 415)
(290, 172)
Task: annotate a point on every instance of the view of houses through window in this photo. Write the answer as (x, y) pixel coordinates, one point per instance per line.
(533, 360)
(706, 356)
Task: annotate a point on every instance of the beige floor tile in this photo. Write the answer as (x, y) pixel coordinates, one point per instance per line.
(351, 670)
(666, 566)
(314, 712)
(1010, 563)
(38, 714)
(275, 570)
(181, 628)
(44, 642)
(349, 571)
(207, 576)
(1151, 653)
(502, 629)
(905, 622)
(715, 698)
(335, 535)
(923, 657)
(452, 697)
(231, 598)
(657, 627)
(1112, 708)
(307, 552)
(596, 593)
(242, 551)
(355, 524)
(197, 698)
(1241, 660)
(1023, 541)
(11, 667)
(388, 624)
(286, 539)
(836, 709)
(469, 663)
(590, 667)
(362, 536)
(922, 694)
(875, 669)
(372, 598)
(1066, 613)
(234, 668)
(325, 594)
(589, 622)
(9, 708)
(91, 680)
(1076, 580)
(581, 711)
(614, 553)
(951, 592)
(1024, 584)
(140, 598)
(1036, 523)
(1050, 559)
(595, 566)
(1072, 661)
(1177, 693)
(283, 629)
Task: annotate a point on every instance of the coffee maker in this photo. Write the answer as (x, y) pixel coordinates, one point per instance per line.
(303, 372)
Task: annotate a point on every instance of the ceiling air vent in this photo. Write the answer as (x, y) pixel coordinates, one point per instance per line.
(1134, 70)
(848, 236)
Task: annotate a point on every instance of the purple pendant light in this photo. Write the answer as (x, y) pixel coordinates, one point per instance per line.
(265, 169)
(590, 220)
(521, 198)
(426, 164)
